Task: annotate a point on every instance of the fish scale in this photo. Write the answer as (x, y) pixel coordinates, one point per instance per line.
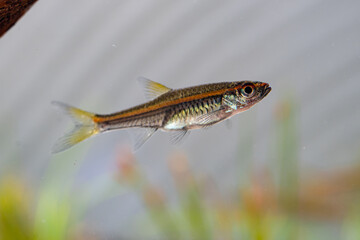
(186, 116)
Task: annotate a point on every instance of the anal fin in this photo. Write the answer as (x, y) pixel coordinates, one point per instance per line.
(140, 136)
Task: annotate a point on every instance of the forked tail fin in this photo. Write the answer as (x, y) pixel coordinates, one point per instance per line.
(84, 128)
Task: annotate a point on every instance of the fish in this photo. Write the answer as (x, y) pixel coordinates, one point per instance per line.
(172, 110)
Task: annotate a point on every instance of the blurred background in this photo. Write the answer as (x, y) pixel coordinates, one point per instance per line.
(289, 168)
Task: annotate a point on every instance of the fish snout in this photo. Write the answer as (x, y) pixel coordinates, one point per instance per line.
(266, 89)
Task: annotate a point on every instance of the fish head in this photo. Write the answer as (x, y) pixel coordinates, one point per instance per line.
(249, 93)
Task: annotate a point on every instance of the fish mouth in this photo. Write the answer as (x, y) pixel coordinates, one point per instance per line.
(266, 90)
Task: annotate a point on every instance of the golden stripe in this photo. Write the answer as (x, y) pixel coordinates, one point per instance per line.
(98, 119)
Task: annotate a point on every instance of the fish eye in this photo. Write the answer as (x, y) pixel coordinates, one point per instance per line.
(247, 91)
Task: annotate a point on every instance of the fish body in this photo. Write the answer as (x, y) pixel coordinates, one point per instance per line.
(169, 110)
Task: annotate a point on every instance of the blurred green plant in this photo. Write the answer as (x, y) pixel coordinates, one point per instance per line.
(19, 220)
(274, 204)
(15, 215)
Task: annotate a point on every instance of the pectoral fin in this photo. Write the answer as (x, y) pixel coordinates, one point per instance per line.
(209, 118)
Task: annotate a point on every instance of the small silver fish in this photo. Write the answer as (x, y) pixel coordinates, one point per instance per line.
(169, 110)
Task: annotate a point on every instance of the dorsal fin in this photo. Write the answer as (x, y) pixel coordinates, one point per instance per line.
(152, 89)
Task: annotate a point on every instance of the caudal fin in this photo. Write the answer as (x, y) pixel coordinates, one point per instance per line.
(84, 128)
